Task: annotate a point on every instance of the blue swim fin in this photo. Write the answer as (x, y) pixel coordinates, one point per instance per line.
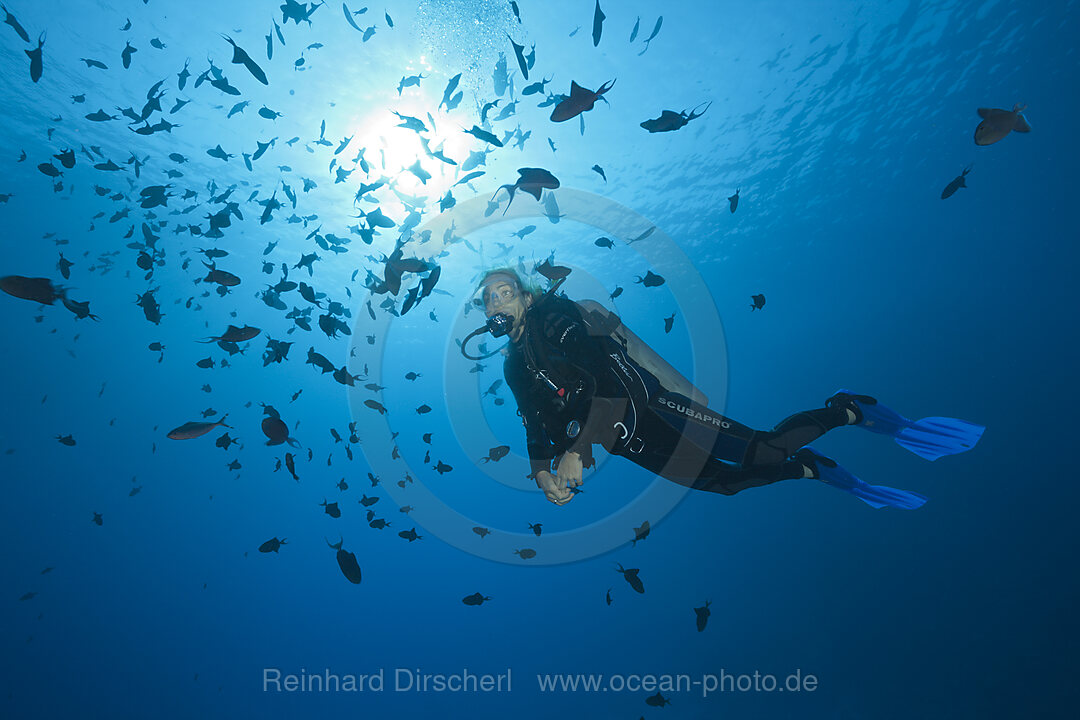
(876, 496)
(929, 438)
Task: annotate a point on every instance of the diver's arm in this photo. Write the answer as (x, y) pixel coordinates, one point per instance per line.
(569, 469)
(540, 449)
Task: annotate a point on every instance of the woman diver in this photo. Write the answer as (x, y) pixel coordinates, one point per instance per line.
(580, 377)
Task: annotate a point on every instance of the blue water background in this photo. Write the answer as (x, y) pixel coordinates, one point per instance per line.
(839, 123)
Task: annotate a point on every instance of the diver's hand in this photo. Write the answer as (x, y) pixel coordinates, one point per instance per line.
(554, 490)
(570, 470)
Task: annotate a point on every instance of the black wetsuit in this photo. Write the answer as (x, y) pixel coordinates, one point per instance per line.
(575, 385)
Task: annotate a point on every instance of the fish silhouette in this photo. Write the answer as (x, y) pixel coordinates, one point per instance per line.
(998, 123)
(191, 430)
(631, 577)
(532, 181)
(35, 59)
(272, 545)
(519, 53)
(350, 568)
(955, 184)
(240, 57)
(126, 53)
(579, 101)
(702, 615)
(597, 24)
(9, 19)
(670, 121)
(651, 279)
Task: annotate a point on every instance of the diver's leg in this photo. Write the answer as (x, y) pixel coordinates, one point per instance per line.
(795, 432)
(720, 477)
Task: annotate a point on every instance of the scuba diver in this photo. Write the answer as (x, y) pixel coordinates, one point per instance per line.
(580, 377)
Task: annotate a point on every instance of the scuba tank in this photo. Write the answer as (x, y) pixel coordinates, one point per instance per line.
(602, 321)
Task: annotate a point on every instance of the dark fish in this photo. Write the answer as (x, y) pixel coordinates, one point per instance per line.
(96, 64)
(471, 176)
(35, 59)
(537, 528)
(100, 116)
(484, 135)
(348, 16)
(39, 290)
(235, 335)
(580, 100)
(242, 58)
(191, 430)
(604, 242)
(519, 52)
(669, 322)
(66, 440)
(448, 93)
(475, 599)
(553, 273)
(206, 363)
(97, 519)
(481, 531)
(996, 123)
(319, 361)
(640, 533)
(615, 293)
(525, 553)
(219, 153)
(220, 277)
(66, 158)
(9, 19)
(634, 32)
(655, 32)
(423, 410)
(670, 121)
(272, 545)
(442, 468)
(496, 453)
(597, 24)
(368, 501)
(50, 170)
(631, 577)
(702, 615)
(955, 184)
(290, 465)
(375, 405)
(81, 310)
(275, 430)
(657, 700)
(331, 509)
(651, 279)
(758, 302)
(532, 181)
(409, 81)
(409, 535)
(733, 202)
(126, 53)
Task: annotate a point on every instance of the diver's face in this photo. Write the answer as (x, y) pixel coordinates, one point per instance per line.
(504, 297)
